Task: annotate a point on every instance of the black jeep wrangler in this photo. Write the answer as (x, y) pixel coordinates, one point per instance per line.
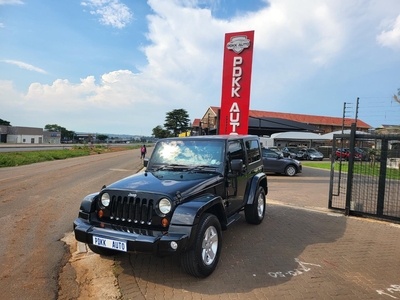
(191, 190)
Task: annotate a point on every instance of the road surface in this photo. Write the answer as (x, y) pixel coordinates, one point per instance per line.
(38, 204)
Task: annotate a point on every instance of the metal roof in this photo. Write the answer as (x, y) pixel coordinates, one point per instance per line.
(269, 126)
(298, 135)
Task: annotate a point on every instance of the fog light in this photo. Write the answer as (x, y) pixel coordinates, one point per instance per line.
(174, 245)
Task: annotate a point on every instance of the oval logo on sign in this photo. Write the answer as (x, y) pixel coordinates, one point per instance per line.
(238, 43)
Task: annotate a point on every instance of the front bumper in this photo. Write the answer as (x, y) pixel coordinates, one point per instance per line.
(154, 242)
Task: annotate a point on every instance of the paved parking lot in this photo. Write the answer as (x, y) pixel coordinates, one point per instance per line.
(301, 251)
(298, 252)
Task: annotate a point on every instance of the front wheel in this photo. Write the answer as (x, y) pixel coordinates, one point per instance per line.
(254, 213)
(290, 170)
(202, 259)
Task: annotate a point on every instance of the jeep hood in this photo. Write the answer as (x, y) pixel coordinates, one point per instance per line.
(184, 182)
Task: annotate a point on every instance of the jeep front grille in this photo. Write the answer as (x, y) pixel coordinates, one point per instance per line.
(132, 210)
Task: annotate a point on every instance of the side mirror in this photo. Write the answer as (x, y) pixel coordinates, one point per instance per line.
(236, 165)
(145, 162)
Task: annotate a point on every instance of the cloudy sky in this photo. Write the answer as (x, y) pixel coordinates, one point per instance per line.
(118, 66)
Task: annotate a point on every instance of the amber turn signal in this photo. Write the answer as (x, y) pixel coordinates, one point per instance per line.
(164, 222)
(100, 213)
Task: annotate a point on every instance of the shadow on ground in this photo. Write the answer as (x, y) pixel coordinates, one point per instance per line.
(252, 257)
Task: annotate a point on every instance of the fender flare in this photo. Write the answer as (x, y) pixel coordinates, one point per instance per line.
(88, 203)
(258, 180)
(187, 216)
(188, 213)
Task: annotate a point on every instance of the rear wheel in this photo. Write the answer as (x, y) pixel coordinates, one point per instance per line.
(202, 259)
(255, 212)
(290, 170)
(102, 251)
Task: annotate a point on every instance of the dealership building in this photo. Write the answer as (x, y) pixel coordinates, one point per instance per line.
(261, 123)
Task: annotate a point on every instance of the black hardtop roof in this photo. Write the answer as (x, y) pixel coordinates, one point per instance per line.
(214, 137)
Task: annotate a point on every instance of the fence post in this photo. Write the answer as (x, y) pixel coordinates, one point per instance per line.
(350, 168)
(332, 174)
(382, 177)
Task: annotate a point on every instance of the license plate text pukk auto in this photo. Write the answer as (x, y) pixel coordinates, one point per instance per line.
(109, 243)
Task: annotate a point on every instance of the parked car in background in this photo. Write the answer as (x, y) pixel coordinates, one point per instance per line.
(344, 154)
(275, 149)
(311, 154)
(276, 163)
(292, 152)
(363, 153)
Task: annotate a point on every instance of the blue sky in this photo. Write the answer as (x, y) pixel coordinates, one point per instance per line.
(118, 66)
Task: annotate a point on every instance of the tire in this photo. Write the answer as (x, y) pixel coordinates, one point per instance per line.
(290, 170)
(255, 212)
(202, 259)
(103, 251)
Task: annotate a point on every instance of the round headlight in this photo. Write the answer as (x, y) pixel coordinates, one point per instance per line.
(105, 199)
(164, 206)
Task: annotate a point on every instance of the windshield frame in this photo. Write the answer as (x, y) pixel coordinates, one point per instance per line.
(188, 154)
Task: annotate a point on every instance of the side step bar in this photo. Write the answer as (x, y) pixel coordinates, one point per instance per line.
(234, 218)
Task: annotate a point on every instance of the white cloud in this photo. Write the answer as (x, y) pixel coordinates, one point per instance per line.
(391, 37)
(12, 2)
(288, 45)
(111, 12)
(293, 42)
(23, 65)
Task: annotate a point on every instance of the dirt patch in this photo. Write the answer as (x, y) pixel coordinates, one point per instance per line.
(87, 275)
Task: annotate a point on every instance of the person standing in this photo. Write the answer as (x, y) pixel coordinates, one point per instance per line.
(143, 152)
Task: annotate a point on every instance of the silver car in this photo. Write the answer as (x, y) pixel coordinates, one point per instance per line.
(311, 154)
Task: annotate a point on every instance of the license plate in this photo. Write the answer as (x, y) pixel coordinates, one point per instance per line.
(109, 243)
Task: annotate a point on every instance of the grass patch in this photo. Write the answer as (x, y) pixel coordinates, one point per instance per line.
(13, 159)
(363, 168)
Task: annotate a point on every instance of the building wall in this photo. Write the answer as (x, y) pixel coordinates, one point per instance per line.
(23, 135)
(51, 137)
(3, 134)
(24, 139)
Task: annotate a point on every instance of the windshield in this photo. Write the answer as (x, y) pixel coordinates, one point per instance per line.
(293, 150)
(190, 153)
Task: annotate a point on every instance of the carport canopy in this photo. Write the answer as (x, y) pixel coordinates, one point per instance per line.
(299, 136)
(329, 135)
(269, 126)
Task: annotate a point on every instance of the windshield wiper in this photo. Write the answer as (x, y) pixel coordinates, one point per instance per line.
(170, 166)
(202, 168)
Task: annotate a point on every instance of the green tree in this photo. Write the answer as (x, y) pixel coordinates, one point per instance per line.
(177, 121)
(160, 132)
(102, 137)
(4, 122)
(65, 134)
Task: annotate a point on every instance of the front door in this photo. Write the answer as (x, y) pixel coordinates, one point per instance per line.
(236, 185)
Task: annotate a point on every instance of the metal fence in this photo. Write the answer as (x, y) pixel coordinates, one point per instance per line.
(367, 181)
